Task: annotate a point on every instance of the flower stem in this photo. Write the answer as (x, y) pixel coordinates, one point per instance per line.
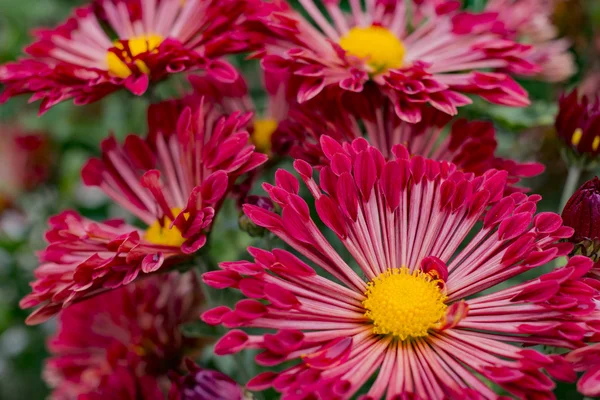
(570, 186)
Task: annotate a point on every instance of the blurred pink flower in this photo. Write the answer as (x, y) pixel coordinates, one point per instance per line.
(154, 38)
(174, 182)
(408, 308)
(205, 384)
(530, 21)
(125, 341)
(26, 159)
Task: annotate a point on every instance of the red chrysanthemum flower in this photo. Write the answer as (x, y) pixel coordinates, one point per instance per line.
(236, 97)
(81, 59)
(123, 342)
(427, 52)
(530, 21)
(471, 145)
(174, 182)
(588, 359)
(578, 126)
(404, 301)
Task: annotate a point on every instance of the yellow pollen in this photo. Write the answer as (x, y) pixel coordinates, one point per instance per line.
(382, 49)
(118, 65)
(263, 131)
(404, 304)
(161, 234)
(596, 143)
(576, 138)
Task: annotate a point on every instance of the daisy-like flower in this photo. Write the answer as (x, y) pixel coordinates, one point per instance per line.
(235, 96)
(174, 182)
(578, 127)
(529, 21)
(471, 145)
(402, 307)
(427, 52)
(126, 44)
(124, 341)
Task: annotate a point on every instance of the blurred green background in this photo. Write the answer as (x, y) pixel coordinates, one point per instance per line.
(76, 132)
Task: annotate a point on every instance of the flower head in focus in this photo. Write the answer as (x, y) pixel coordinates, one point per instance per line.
(174, 182)
(115, 44)
(470, 145)
(205, 384)
(124, 341)
(427, 52)
(578, 127)
(403, 309)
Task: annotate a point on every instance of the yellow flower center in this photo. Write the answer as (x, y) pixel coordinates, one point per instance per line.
(118, 64)
(263, 131)
(161, 234)
(404, 304)
(382, 49)
(576, 138)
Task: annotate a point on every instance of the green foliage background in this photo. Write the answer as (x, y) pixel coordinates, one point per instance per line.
(77, 131)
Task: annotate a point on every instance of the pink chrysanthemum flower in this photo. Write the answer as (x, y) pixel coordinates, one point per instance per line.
(471, 145)
(530, 21)
(174, 182)
(404, 301)
(587, 359)
(127, 340)
(427, 52)
(235, 97)
(81, 59)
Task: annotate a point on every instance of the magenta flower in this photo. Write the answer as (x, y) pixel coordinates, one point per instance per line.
(174, 182)
(404, 302)
(80, 59)
(235, 96)
(471, 145)
(530, 21)
(205, 384)
(124, 341)
(427, 52)
(588, 359)
(578, 126)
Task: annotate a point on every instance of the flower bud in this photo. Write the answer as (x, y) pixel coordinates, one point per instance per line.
(578, 126)
(582, 213)
(205, 384)
(246, 224)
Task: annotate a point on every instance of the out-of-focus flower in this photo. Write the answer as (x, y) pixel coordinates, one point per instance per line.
(174, 182)
(578, 126)
(428, 52)
(26, 162)
(411, 306)
(245, 223)
(205, 384)
(125, 341)
(471, 145)
(142, 41)
(587, 359)
(530, 21)
(582, 213)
